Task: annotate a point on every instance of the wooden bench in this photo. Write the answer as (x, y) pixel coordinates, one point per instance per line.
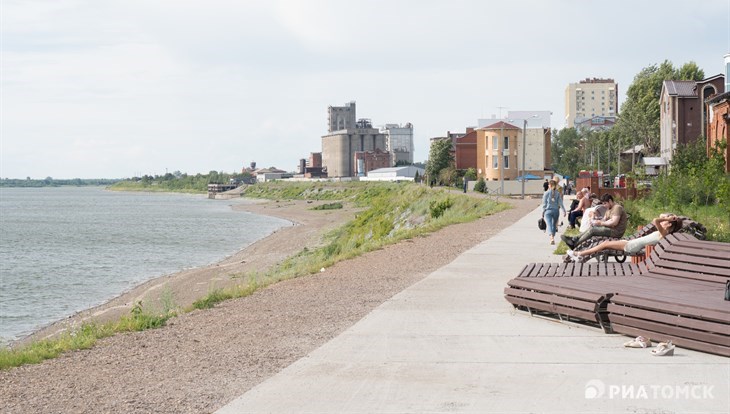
(676, 294)
(538, 290)
(686, 304)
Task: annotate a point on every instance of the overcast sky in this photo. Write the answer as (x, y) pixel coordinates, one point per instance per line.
(112, 89)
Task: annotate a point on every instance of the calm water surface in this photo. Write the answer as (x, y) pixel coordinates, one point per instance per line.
(66, 249)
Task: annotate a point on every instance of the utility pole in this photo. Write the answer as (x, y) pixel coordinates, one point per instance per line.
(500, 146)
(524, 141)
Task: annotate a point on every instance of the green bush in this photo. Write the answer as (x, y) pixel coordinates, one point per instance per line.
(328, 206)
(694, 179)
(481, 185)
(437, 208)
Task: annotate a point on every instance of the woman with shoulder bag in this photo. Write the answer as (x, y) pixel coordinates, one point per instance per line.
(552, 203)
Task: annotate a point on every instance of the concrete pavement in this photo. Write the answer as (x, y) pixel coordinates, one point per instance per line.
(452, 343)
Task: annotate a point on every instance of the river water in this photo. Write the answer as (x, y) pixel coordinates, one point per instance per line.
(66, 249)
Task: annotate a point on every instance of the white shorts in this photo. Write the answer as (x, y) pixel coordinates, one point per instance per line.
(637, 245)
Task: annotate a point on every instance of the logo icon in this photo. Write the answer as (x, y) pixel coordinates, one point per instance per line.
(594, 389)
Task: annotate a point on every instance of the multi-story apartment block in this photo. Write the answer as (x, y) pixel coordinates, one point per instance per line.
(590, 98)
(399, 142)
(346, 137)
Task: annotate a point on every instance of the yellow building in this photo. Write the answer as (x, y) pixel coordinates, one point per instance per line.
(590, 98)
(497, 144)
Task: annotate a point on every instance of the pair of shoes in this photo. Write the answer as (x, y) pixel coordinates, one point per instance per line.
(552, 241)
(639, 342)
(568, 240)
(574, 257)
(663, 349)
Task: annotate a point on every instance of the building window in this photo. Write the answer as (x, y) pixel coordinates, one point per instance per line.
(495, 143)
(506, 161)
(506, 143)
(495, 162)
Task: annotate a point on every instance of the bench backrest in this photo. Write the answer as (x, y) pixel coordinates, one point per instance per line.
(682, 256)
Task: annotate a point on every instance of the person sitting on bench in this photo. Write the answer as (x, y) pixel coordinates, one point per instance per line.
(665, 224)
(613, 224)
(584, 201)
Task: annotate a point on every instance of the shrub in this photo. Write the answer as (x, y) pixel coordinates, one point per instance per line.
(481, 185)
(437, 208)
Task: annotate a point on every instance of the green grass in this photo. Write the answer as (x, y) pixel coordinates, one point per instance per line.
(328, 206)
(82, 337)
(389, 213)
(561, 248)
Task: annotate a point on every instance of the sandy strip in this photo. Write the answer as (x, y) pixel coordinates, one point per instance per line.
(185, 287)
(204, 359)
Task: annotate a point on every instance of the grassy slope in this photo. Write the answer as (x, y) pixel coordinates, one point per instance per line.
(391, 212)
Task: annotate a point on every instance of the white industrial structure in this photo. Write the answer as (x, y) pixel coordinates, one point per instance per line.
(399, 142)
(404, 173)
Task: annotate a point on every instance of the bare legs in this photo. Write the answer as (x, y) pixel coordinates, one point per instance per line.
(607, 245)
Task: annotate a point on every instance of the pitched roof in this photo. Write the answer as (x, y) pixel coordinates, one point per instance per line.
(682, 89)
(500, 125)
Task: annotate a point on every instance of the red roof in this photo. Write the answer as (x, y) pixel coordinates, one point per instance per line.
(501, 125)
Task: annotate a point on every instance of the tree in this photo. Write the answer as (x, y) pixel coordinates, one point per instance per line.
(439, 158)
(567, 151)
(471, 174)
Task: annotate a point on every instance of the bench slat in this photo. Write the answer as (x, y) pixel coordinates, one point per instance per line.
(715, 338)
(682, 342)
(718, 315)
(549, 298)
(585, 315)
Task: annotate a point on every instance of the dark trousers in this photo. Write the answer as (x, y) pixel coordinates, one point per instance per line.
(574, 215)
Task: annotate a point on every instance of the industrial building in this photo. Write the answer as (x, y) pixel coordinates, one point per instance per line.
(399, 142)
(347, 135)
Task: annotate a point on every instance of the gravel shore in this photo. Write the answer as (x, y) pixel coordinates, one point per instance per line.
(202, 360)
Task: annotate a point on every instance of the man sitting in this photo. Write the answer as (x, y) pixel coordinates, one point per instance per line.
(612, 225)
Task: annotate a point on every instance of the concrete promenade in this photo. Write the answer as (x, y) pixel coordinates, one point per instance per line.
(452, 343)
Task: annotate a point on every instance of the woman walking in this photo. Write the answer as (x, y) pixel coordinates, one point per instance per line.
(552, 203)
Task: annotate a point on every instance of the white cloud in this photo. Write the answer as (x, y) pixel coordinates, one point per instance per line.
(114, 88)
